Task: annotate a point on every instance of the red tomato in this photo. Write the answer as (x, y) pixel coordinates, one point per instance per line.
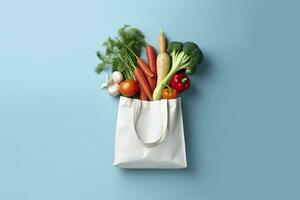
(128, 88)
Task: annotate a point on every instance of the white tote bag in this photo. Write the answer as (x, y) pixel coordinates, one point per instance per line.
(149, 134)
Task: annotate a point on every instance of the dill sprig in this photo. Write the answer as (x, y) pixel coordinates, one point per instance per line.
(117, 51)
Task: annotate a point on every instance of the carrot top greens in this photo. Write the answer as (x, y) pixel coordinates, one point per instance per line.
(118, 53)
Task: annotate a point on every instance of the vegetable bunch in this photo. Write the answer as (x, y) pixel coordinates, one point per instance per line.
(185, 57)
(164, 76)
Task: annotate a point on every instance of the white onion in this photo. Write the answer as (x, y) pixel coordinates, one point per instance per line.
(117, 76)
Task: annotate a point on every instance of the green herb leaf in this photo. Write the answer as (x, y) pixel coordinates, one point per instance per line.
(119, 58)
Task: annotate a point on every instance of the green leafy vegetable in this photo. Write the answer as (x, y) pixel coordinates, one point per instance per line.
(117, 51)
(185, 56)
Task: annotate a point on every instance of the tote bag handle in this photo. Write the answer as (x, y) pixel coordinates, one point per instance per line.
(164, 111)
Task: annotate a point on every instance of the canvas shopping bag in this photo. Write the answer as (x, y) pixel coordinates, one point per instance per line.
(149, 134)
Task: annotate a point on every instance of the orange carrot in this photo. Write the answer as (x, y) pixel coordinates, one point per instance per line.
(145, 67)
(142, 94)
(142, 64)
(140, 77)
(151, 57)
(146, 70)
(152, 82)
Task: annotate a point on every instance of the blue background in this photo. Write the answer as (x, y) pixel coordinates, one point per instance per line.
(241, 114)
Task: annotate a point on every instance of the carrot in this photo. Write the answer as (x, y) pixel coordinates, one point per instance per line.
(142, 64)
(163, 59)
(151, 57)
(152, 82)
(140, 77)
(144, 67)
(142, 94)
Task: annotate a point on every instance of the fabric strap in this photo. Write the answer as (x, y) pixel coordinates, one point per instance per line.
(136, 109)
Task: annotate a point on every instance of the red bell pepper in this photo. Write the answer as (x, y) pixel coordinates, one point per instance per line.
(180, 82)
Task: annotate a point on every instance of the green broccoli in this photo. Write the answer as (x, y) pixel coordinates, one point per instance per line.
(185, 56)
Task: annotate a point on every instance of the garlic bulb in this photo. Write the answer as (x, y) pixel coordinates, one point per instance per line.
(113, 89)
(111, 84)
(107, 82)
(117, 77)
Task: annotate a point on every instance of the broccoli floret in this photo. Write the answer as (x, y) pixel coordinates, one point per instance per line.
(195, 55)
(175, 46)
(189, 47)
(186, 56)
